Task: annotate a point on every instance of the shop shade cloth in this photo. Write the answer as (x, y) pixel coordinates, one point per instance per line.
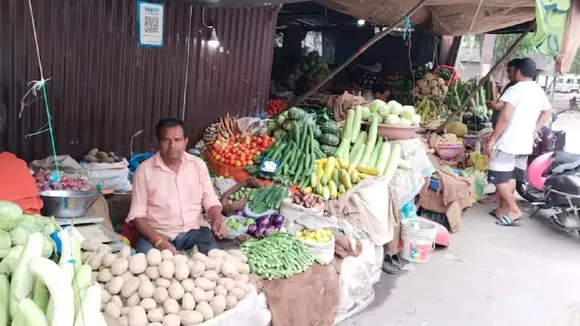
(307, 299)
(17, 184)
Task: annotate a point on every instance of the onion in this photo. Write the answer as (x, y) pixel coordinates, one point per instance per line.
(277, 220)
(269, 230)
(252, 229)
(259, 232)
(263, 221)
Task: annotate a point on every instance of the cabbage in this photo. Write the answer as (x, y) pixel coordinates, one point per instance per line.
(44, 224)
(19, 235)
(392, 119)
(366, 112)
(5, 242)
(47, 246)
(415, 119)
(9, 262)
(394, 107)
(376, 104)
(29, 222)
(9, 215)
(407, 112)
(405, 122)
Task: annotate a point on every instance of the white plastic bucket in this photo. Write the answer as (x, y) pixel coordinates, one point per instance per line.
(417, 240)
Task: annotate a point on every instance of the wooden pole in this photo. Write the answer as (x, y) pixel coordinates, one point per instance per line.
(509, 51)
(362, 49)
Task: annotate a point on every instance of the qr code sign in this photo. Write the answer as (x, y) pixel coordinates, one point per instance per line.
(151, 24)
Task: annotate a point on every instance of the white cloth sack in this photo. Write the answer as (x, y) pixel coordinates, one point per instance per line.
(292, 212)
(322, 252)
(366, 207)
(113, 176)
(357, 277)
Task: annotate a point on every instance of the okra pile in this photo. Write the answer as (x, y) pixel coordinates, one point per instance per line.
(281, 255)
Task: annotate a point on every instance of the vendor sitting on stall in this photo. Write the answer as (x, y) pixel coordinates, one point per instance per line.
(379, 91)
(169, 192)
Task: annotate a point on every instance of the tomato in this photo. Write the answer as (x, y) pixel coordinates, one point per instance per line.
(250, 162)
(266, 137)
(217, 156)
(238, 163)
(258, 153)
(253, 145)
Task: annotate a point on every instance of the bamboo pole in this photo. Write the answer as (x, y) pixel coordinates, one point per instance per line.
(362, 49)
(482, 81)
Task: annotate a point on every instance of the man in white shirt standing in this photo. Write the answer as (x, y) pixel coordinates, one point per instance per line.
(525, 110)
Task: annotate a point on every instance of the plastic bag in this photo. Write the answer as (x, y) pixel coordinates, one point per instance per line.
(249, 213)
(233, 234)
(230, 208)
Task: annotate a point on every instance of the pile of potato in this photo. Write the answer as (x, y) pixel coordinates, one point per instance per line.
(162, 289)
(97, 156)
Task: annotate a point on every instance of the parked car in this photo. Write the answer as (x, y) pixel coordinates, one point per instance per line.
(569, 84)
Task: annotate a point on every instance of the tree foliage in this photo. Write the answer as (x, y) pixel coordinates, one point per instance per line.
(503, 43)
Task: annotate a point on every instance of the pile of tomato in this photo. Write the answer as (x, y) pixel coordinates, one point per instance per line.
(239, 150)
(275, 106)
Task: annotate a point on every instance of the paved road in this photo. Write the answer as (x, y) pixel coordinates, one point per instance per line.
(490, 276)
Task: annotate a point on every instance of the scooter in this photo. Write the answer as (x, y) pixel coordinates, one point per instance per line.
(550, 141)
(557, 176)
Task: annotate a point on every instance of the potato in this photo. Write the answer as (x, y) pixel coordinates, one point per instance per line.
(127, 275)
(218, 304)
(171, 306)
(172, 320)
(238, 254)
(238, 293)
(198, 256)
(133, 300)
(90, 244)
(117, 301)
(181, 270)
(115, 285)
(166, 254)
(125, 252)
(156, 315)
(148, 304)
(138, 264)
(188, 285)
(105, 297)
(229, 283)
(231, 302)
(119, 266)
(199, 295)
(204, 284)
(221, 290)
(216, 253)
(211, 275)
(176, 291)
(123, 321)
(146, 290)
(95, 261)
(209, 295)
(125, 311)
(143, 278)
(180, 258)
(108, 259)
(205, 310)
(113, 310)
(243, 268)
(190, 318)
(105, 276)
(137, 317)
(217, 265)
(155, 324)
(163, 282)
(130, 287)
(242, 277)
(160, 295)
(167, 269)
(242, 285)
(229, 269)
(187, 302)
(152, 272)
(154, 257)
(197, 269)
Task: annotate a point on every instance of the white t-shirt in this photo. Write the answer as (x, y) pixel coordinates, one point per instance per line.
(529, 101)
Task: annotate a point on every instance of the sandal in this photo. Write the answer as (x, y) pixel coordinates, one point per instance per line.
(506, 221)
(493, 213)
(389, 266)
(397, 261)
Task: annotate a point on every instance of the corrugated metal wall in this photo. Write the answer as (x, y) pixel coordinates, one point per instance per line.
(104, 87)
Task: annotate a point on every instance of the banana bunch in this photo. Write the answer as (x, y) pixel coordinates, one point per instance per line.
(427, 109)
